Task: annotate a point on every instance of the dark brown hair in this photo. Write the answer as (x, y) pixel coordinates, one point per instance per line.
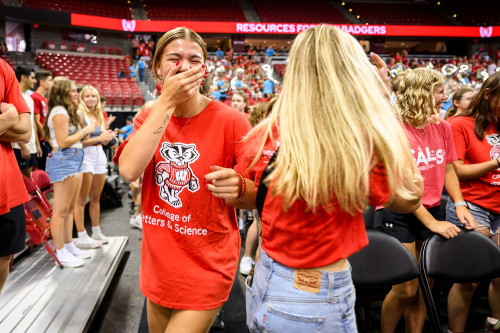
(457, 96)
(482, 107)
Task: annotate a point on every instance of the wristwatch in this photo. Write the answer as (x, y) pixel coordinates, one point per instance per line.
(461, 203)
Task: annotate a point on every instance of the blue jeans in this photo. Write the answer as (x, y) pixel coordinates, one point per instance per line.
(64, 163)
(484, 217)
(273, 304)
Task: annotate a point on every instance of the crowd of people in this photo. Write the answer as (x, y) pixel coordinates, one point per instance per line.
(195, 159)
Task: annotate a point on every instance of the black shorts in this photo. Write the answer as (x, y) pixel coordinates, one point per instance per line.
(12, 231)
(24, 163)
(405, 227)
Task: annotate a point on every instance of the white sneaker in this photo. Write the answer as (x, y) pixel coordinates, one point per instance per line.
(98, 235)
(86, 242)
(82, 254)
(246, 265)
(136, 221)
(67, 259)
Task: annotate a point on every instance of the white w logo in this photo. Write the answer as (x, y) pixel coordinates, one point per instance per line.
(181, 175)
(485, 31)
(128, 25)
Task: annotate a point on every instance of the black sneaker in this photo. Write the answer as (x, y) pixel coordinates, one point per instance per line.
(218, 323)
(132, 208)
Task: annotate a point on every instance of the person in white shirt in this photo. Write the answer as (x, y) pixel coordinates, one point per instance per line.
(26, 154)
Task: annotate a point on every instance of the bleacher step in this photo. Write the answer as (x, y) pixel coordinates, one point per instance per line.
(40, 297)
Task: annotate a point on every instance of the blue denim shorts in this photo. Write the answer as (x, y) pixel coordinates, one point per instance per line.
(484, 218)
(64, 163)
(273, 304)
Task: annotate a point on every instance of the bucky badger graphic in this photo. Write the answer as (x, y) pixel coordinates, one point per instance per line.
(175, 174)
(494, 140)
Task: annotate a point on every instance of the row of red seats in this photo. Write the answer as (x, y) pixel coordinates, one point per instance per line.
(294, 11)
(195, 10)
(399, 13)
(474, 13)
(38, 212)
(99, 71)
(108, 8)
(74, 47)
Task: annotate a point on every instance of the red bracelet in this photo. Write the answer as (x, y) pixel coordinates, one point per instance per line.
(243, 186)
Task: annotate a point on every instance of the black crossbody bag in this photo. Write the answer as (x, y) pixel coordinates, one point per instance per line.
(259, 203)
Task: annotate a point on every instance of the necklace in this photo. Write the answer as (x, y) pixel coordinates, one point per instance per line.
(420, 131)
(173, 142)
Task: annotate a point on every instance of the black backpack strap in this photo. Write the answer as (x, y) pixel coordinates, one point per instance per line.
(262, 189)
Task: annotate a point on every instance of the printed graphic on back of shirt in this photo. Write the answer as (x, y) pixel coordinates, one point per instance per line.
(174, 174)
(494, 140)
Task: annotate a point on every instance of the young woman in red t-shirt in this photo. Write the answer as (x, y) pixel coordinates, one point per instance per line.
(335, 156)
(477, 143)
(460, 102)
(420, 98)
(191, 242)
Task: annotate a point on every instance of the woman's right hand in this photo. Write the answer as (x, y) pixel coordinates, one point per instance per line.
(444, 228)
(106, 136)
(177, 88)
(89, 129)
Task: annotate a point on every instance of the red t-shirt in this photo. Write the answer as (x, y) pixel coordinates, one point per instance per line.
(191, 243)
(432, 148)
(12, 190)
(299, 238)
(483, 191)
(450, 118)
(41, 108)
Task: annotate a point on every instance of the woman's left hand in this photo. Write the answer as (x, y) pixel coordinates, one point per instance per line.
(466, 218)
(224, 183)
(382, 70)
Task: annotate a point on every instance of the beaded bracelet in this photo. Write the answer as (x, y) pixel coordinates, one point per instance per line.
(243, 186)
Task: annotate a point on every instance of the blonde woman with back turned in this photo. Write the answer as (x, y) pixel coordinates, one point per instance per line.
(336, 155)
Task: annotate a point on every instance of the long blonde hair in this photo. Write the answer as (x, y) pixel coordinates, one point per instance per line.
(335, 123)
(415, 100)
(98, 108)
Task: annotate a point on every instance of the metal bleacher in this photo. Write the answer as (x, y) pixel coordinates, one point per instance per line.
(40, 297)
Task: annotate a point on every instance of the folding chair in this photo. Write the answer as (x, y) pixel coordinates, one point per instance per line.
(447, 260)
(44, 188)
(38, 220)
(383, 263)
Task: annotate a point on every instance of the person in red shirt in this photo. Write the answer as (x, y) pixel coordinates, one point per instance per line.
(324, 125)
(45, 82)
(477, 144)
(460, 102)
(15, 126)
(191, 243)
(420, 97)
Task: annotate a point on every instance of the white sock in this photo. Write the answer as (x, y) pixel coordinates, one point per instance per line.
(82, 235)
(61, 251)
(96, 229)
(492, 321)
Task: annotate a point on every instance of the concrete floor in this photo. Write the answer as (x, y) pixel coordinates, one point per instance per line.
(121, 309)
